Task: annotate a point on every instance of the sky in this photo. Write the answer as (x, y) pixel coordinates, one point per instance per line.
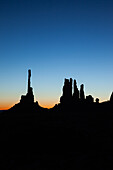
(56, 39)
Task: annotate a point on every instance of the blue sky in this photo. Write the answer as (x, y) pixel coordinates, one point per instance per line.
(56, 39)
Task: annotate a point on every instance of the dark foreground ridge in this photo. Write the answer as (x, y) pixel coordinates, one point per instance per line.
(75, 134)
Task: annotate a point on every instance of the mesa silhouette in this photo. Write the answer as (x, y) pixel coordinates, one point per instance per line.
(75, 134)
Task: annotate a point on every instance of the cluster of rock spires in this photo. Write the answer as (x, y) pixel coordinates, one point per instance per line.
(71, 95)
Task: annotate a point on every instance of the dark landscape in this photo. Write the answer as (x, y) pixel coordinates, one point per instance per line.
(74, 134)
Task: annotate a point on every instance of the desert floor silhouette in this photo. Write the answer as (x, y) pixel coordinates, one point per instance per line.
(74, 134)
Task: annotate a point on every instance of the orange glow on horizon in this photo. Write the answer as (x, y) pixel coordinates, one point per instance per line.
(8, 106)
(5, 107)
(47, 105)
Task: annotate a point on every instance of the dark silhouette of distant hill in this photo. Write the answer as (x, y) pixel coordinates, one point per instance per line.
(75, 134)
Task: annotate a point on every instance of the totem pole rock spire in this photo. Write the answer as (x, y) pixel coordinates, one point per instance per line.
(29, 82)
(29, 97)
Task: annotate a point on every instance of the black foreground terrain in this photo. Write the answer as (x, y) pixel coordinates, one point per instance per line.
(58, 138)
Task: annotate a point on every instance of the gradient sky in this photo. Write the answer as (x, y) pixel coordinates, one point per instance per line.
(56, 39)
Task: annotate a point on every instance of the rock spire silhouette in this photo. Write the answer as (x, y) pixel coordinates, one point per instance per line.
(29, 97)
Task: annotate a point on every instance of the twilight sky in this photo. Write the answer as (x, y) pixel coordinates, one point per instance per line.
(56, 39)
